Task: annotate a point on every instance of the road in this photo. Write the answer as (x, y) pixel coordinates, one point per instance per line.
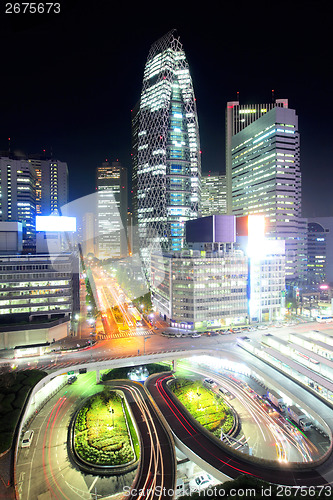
(123, 347)
(189, 432)
(263, 431)
(47, 467)
(157, 473)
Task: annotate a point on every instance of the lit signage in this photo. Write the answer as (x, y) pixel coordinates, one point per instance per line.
(55, 223)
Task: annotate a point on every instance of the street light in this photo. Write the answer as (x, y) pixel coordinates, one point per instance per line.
(111, 410)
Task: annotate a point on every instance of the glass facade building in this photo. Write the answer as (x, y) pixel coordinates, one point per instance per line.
(166, 150)
(51, 185)
(213, 194)
(18, 197)
(112, 210)
(238, 117)
(34, 285)
(266, 180)
(320, 250)
(198, 289)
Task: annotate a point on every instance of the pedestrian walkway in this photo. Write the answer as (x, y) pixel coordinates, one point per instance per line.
(124, 334)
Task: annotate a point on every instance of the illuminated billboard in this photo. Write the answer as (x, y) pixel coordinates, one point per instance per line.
(55, 223)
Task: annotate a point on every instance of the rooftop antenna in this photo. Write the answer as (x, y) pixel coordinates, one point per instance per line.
(237, 98)
(8, 145)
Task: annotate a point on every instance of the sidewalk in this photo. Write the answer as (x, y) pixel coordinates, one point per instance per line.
(68, 343)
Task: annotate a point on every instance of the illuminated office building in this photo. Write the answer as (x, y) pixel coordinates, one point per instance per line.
(238, 117)
(17, 197)
(166, 150)
(112, 210)
(51, 185)
(266, 178)
(213, 194)
(197, 289)
(266, 257)
(320, 250)
(38, 285)
(206, 285)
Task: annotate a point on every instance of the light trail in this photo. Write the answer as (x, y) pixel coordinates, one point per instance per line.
(64, 400)
(56, 409)
(261, 418)
(156, 460)
(187, 425)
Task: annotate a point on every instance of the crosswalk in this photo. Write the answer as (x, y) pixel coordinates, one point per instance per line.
(129, 333)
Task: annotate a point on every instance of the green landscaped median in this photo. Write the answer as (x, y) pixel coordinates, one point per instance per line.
(104, 433)
(205, 406)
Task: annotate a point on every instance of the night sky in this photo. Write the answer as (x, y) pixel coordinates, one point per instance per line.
(68, 81)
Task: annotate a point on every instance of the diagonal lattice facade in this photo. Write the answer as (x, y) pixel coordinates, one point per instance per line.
(167, 167)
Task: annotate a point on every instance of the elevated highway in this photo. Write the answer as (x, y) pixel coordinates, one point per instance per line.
(221, 463)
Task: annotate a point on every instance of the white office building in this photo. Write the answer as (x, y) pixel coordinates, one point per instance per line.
(197, 290)
(111, 210)
(266, 180)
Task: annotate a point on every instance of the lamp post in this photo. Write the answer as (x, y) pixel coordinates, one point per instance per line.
(111, 410)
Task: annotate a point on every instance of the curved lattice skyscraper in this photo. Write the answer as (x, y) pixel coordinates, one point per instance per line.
(167, 151)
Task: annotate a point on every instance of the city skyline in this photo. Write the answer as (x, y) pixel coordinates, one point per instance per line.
(79, 88)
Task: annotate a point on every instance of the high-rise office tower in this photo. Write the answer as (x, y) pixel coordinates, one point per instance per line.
(239, 116)
(266, 178)
(51, 184)
(88, 233)
(18, 197)
(166, 152)
(213, 194)
(320, 250)
(112, 210)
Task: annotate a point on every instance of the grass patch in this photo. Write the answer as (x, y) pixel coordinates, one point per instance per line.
(208, 408)
(14, 389)
(101, 437)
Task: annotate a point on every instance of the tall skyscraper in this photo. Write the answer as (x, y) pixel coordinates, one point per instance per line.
(112, 210)
(51, 184)
(88, 233)
(264, 169)
(18, 197)
(239, 116)
(320, 250)
(213, 194)
(166, 150)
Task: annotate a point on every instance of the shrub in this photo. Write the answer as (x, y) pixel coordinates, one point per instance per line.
(97, 440)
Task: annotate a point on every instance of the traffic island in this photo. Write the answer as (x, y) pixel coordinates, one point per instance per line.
(206, 407)
(104, 440)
